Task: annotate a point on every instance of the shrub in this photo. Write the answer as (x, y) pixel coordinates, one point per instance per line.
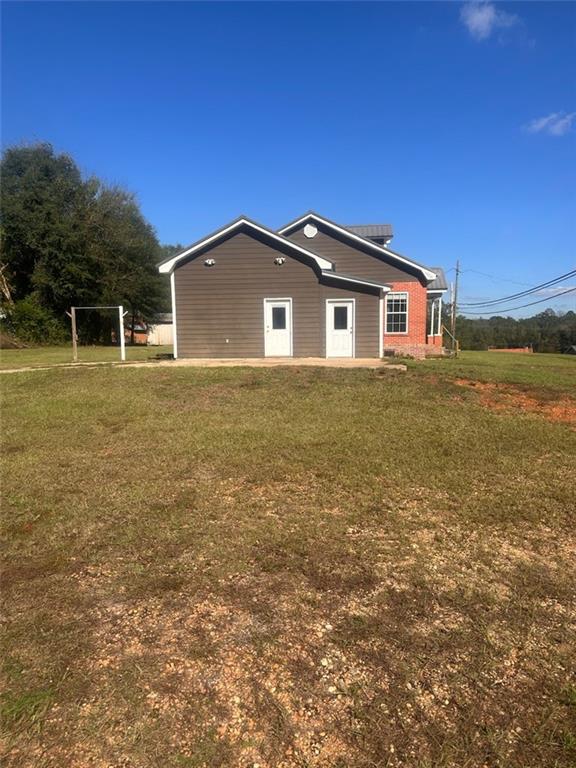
(28, 321)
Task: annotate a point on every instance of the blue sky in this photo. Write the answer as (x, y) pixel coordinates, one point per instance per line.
(454, 123)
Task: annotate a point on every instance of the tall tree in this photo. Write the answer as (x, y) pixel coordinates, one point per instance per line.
(128, 254)
(72, 241)
(41, 204)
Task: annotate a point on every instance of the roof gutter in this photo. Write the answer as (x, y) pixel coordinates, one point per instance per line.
(356, 280)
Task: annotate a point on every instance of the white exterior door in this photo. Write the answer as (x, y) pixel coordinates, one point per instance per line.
(278, 327)
(340, 328)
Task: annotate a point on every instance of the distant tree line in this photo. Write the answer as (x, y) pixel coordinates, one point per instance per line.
(68, 240)
(547, 331)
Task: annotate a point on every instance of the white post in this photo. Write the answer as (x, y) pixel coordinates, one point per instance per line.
(174, 326)
(432, 306)
(74, 335)
(381, 325)
(122, 342)
(439, 323)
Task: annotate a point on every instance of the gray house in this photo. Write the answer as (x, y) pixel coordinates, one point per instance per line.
(314, 288)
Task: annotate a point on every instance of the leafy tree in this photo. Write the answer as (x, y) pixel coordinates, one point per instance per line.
(73, 241)
(31, 323)
(548, 331)
(128, 254)
(41, 201)
(170, 250)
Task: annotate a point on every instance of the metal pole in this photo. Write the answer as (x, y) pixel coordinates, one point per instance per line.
(439, 328)
(74, 336)
(454, 304)
(122, 342)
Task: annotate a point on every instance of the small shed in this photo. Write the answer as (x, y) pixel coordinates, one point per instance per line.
(161, 331)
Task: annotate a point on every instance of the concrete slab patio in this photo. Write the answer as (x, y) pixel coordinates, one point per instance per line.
(250, 362)
(271, 362)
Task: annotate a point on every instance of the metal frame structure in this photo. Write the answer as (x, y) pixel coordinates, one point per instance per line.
(121, 314)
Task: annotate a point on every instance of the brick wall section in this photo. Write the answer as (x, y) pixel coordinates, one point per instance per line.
(416, 343)
(417, 299)
(417, 351)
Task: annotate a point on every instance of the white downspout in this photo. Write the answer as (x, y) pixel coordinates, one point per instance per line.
(174, 328)
(381, 326)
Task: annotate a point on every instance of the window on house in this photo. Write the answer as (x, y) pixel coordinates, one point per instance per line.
(340, 318)
(397, 313)
(279, 318)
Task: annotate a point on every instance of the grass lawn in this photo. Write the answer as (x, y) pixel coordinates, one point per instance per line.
(544, 371)
(41, 356)
(290, 567)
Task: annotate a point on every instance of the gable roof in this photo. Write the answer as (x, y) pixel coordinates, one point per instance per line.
(440, 283)
(168, 265)
(372, 230)
(356, 238)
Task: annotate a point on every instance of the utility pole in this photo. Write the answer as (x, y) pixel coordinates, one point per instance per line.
(453, 309)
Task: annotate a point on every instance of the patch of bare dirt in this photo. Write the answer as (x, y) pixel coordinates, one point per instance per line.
(499, 397)
(268, 671)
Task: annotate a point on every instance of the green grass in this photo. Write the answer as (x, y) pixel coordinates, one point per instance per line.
(290, 567)
(42, 356)
(28, 707)
(546, 371)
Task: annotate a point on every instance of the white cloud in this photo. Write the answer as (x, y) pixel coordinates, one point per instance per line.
(481, 18)
(554, 124)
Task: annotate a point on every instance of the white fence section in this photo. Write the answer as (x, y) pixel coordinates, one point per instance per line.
(160, 335)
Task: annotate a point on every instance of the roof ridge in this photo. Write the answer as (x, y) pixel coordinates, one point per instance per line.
(167, 265)
(388, 251)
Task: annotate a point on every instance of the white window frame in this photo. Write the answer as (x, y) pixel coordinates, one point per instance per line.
(435, 316)
(439, 316)
(391, 295)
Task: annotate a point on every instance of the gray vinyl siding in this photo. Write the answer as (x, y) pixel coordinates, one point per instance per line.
(226, 301)
(349, 259)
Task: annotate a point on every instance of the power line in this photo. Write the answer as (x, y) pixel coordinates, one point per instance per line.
(519, 295)
(512, 309)
(493, 277)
